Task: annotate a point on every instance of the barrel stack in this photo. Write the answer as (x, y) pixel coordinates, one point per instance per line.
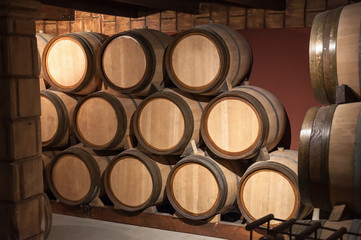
(140, 99)
(329, 149)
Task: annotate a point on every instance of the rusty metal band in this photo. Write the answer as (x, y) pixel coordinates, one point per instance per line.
(316, 59)
(329, 54)
(303, 156)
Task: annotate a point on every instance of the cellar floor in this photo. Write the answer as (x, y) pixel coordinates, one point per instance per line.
(69, 228)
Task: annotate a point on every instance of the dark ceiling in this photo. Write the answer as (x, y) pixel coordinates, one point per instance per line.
(138, 8)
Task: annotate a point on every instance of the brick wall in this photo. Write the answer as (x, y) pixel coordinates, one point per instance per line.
(299, 13)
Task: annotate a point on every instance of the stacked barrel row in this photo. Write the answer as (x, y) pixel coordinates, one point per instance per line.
(330, 146)
(139, 99)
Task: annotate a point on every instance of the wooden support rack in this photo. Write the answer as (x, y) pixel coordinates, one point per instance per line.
(226, 230)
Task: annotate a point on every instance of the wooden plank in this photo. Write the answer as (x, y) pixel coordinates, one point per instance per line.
(237, 22)
(315, 5)
(187, 6)
(82, 14)
(219, 13)
(226, 230)
(108, 18)
(309, 18)
(265, 4)
(204, 11)
(108, 28)
(105, 7)
(40, 25)
(55, 13)
(185, 21)
(76, 26)
(168, 25)
(255, 18)
(153, 21)
(137, 23)
(236, 11)
(63, 27)
(274, 20)
(51, 27)
(294, 18)
(122, 24)
(92, 24)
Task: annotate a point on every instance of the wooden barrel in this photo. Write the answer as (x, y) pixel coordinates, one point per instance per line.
(56, 118)
(352, 226)
(131, 61)
(135, 181)
(47, 157)
(42, 40)
(335, 57)
(272, 187)
(165, 122)
(237, 123)
(47, 218)
(329, 157)
(199, 187)
(208, 59)
(70, 62)
(102, 120)
(74, 175)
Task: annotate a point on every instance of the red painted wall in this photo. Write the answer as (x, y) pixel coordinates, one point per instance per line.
(280, 65)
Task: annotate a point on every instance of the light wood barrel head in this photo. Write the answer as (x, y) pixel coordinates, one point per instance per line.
(348, 50)
(49, 119)
(131, 182)
(124, 62)
(71, 178)
(194, 189)
(97, 121)
(233, 125)
(268, 191)
(196, 61)
(66, 62)
(161, 124)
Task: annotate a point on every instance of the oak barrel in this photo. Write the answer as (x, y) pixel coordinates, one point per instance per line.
(200, 187)
(238, 123)
(42, 40)
(272, 187)
(208, 59)
(70, 62)
(47, 217)
(102, 120)
(131, 61)
(56, 118)
(329, 157)
(165, 122)
(74, 175)
(135, 181)
(335, 57)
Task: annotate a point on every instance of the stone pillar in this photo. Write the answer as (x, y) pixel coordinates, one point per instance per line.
(21, 187)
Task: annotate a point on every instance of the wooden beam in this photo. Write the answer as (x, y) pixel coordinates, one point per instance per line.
(110, 7)
(55, 13)
(279, 5)
(187, 6)
(225, 230)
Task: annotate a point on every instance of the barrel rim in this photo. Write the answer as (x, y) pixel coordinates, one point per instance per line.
(188, 122)
(223, 55)
(281, 169)
(263, 122)
(150, 62)
(218, 175)
(63, 118)
(120, 113)
(94, 172)
(153, 170)
(90, 65)
(329, 53)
